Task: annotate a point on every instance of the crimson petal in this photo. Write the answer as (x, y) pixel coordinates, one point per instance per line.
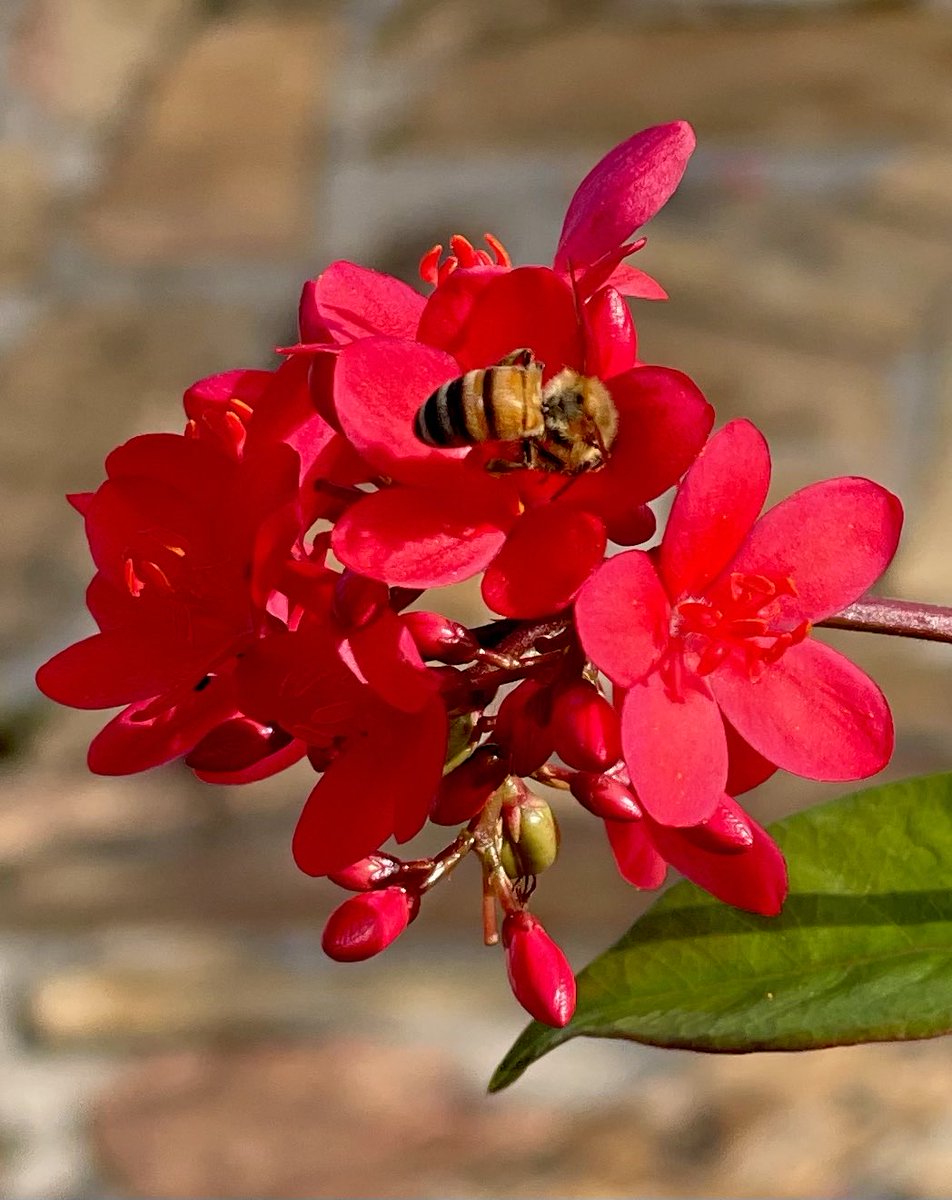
(379, 785)
(622, 617)
(715, 508)
(636, 857)
(663, 421)
(379, 385)
(813, 713)
(754, 879)
(548, 555)
(421, 537)
(623, 191)
(675, 750)
(353, 302)
(120, 666)
(528, 307)
(833, 539)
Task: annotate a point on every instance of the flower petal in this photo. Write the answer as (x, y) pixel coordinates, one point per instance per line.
(834, 539)
(352, 302)
(622, 617)
(663, 421)
(421, 537)
(379, 385)
(675, 750)
(813, 713)
(153, 732)
(716, 505)
(754, 879)
(120, 666)
(746, 768)
(443, 321)
(636, 857)
(610, 341)
(388, 659)
(365, 798)
(623, 191)
(548, 555)
(530, 307)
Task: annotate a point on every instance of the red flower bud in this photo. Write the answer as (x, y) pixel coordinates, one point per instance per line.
(368, 873)
(585, 727)
(726, 831)
(463, 792)
(539, 973)
(366, 924)
(522, 726)
(605, 797)
(438, 637)
(358, 600)
(236, 744)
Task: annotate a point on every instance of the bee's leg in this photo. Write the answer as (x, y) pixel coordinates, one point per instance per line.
(519, 358)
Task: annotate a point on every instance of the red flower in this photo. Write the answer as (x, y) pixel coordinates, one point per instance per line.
(715, 626)
(444, 517)
(184, 538)
(729, 855)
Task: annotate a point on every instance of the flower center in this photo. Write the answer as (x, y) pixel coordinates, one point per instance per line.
(745, 621)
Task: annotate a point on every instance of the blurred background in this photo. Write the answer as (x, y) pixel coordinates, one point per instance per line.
(170, 171)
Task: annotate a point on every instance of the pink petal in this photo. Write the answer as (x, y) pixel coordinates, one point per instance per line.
(420, 537)
(387, 657)
(746, 768)
(834, 539)
(675, 750)
(635, 854)
(622, 616)
(120, 666)
(150, 733)
(610, 341)
(379, 385)
(353, 302)
(528, 307)
(263, 768)
(755, 879)
(548, 555)
(813, 713)
(623, 191)
(380, 785)
(444, 319)
(663, 421)
(716, 505)
(638, 284)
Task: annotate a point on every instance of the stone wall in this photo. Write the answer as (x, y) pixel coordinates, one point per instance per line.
(170, 171)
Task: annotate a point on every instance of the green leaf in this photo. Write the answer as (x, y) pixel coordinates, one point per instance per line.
(862, 951)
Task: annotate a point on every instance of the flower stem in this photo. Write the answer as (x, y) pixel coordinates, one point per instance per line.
(897, 618)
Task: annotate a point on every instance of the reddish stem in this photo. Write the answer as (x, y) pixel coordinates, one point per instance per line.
(897, 618)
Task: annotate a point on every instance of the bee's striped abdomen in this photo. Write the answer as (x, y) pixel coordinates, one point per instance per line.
(500, 403)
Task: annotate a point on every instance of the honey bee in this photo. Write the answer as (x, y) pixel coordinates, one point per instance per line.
(567, 425)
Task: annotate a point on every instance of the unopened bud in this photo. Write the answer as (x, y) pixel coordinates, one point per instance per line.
(437, 637)
(235, 745)
(522, 726)
(530, 837)
(358, 600)
(726, 831)
(366, 924)
(539, 973)
(368, 873)
(605, 797)
(464, 791)
(585, 727)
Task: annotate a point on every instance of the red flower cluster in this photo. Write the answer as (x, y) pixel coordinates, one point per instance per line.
(255, 576)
